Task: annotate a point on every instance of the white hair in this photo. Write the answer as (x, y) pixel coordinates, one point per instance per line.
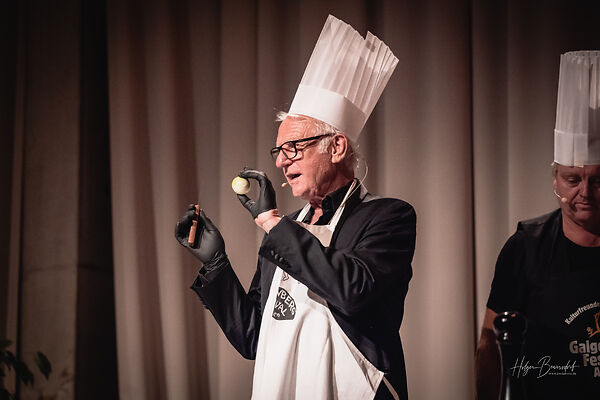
(323, 128)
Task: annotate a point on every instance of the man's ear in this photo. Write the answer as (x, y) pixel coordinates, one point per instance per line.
(339, 148)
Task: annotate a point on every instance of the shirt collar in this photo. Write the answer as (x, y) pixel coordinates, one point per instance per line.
(333, 200)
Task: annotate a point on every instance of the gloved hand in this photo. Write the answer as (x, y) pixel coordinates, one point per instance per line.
(208, 242)
(266, 194)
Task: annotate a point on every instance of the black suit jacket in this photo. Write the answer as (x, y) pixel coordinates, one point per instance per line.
(363, 275)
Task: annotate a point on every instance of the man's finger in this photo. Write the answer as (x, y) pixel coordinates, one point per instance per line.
(204, 221)
(182, 227)
(254, 174)
(245, 200)
(180, 232)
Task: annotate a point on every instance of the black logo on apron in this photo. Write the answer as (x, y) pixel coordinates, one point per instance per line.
(285, 306)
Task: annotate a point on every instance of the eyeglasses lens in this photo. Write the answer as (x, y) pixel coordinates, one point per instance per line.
(288, 149)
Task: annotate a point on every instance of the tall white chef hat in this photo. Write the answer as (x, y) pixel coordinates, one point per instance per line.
(344, 77)
(577, 131)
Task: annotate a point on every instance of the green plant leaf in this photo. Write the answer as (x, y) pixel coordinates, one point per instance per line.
(3, 357)
(4, 343)
(10, 360)
(43, 363)
(5, 394)
(23, 373)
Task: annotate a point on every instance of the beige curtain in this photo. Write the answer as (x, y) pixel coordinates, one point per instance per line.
(463, 132)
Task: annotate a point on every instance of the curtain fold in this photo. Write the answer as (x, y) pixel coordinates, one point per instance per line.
(245, 65)
(472, 96)
(463, 132)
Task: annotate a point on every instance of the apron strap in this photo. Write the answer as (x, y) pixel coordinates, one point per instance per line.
(391, 389)
(364, 196)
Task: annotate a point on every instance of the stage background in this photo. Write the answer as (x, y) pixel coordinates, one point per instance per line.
(115, 115)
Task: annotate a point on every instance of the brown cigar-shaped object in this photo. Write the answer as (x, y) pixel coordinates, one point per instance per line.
(192, 236)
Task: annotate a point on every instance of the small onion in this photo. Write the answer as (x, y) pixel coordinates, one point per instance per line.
(240, 185)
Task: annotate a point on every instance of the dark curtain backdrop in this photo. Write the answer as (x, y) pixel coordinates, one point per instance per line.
(118, 114)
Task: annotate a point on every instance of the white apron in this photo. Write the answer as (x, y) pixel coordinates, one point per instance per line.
(302, 352)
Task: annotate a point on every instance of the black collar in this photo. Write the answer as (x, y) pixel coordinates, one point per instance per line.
(332, 201)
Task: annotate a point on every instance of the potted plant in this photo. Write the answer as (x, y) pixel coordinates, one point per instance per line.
(8, 361)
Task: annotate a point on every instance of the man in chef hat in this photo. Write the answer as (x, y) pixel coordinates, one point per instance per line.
(549, 270)
(322, 315)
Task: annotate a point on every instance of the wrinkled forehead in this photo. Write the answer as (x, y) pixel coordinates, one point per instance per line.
(293, 128)
(586, 170)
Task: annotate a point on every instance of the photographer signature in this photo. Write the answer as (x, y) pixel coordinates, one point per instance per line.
(522, 367)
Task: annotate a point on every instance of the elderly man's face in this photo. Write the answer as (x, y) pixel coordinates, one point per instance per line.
(581, 188)
(310, 172)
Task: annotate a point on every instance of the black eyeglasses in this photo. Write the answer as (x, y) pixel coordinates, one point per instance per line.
(289, 148)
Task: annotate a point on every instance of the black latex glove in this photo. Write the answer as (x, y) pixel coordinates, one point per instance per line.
(208, 243)
(266, 194)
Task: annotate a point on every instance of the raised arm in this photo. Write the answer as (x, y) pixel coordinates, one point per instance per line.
(349, 277)
(237, 312)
